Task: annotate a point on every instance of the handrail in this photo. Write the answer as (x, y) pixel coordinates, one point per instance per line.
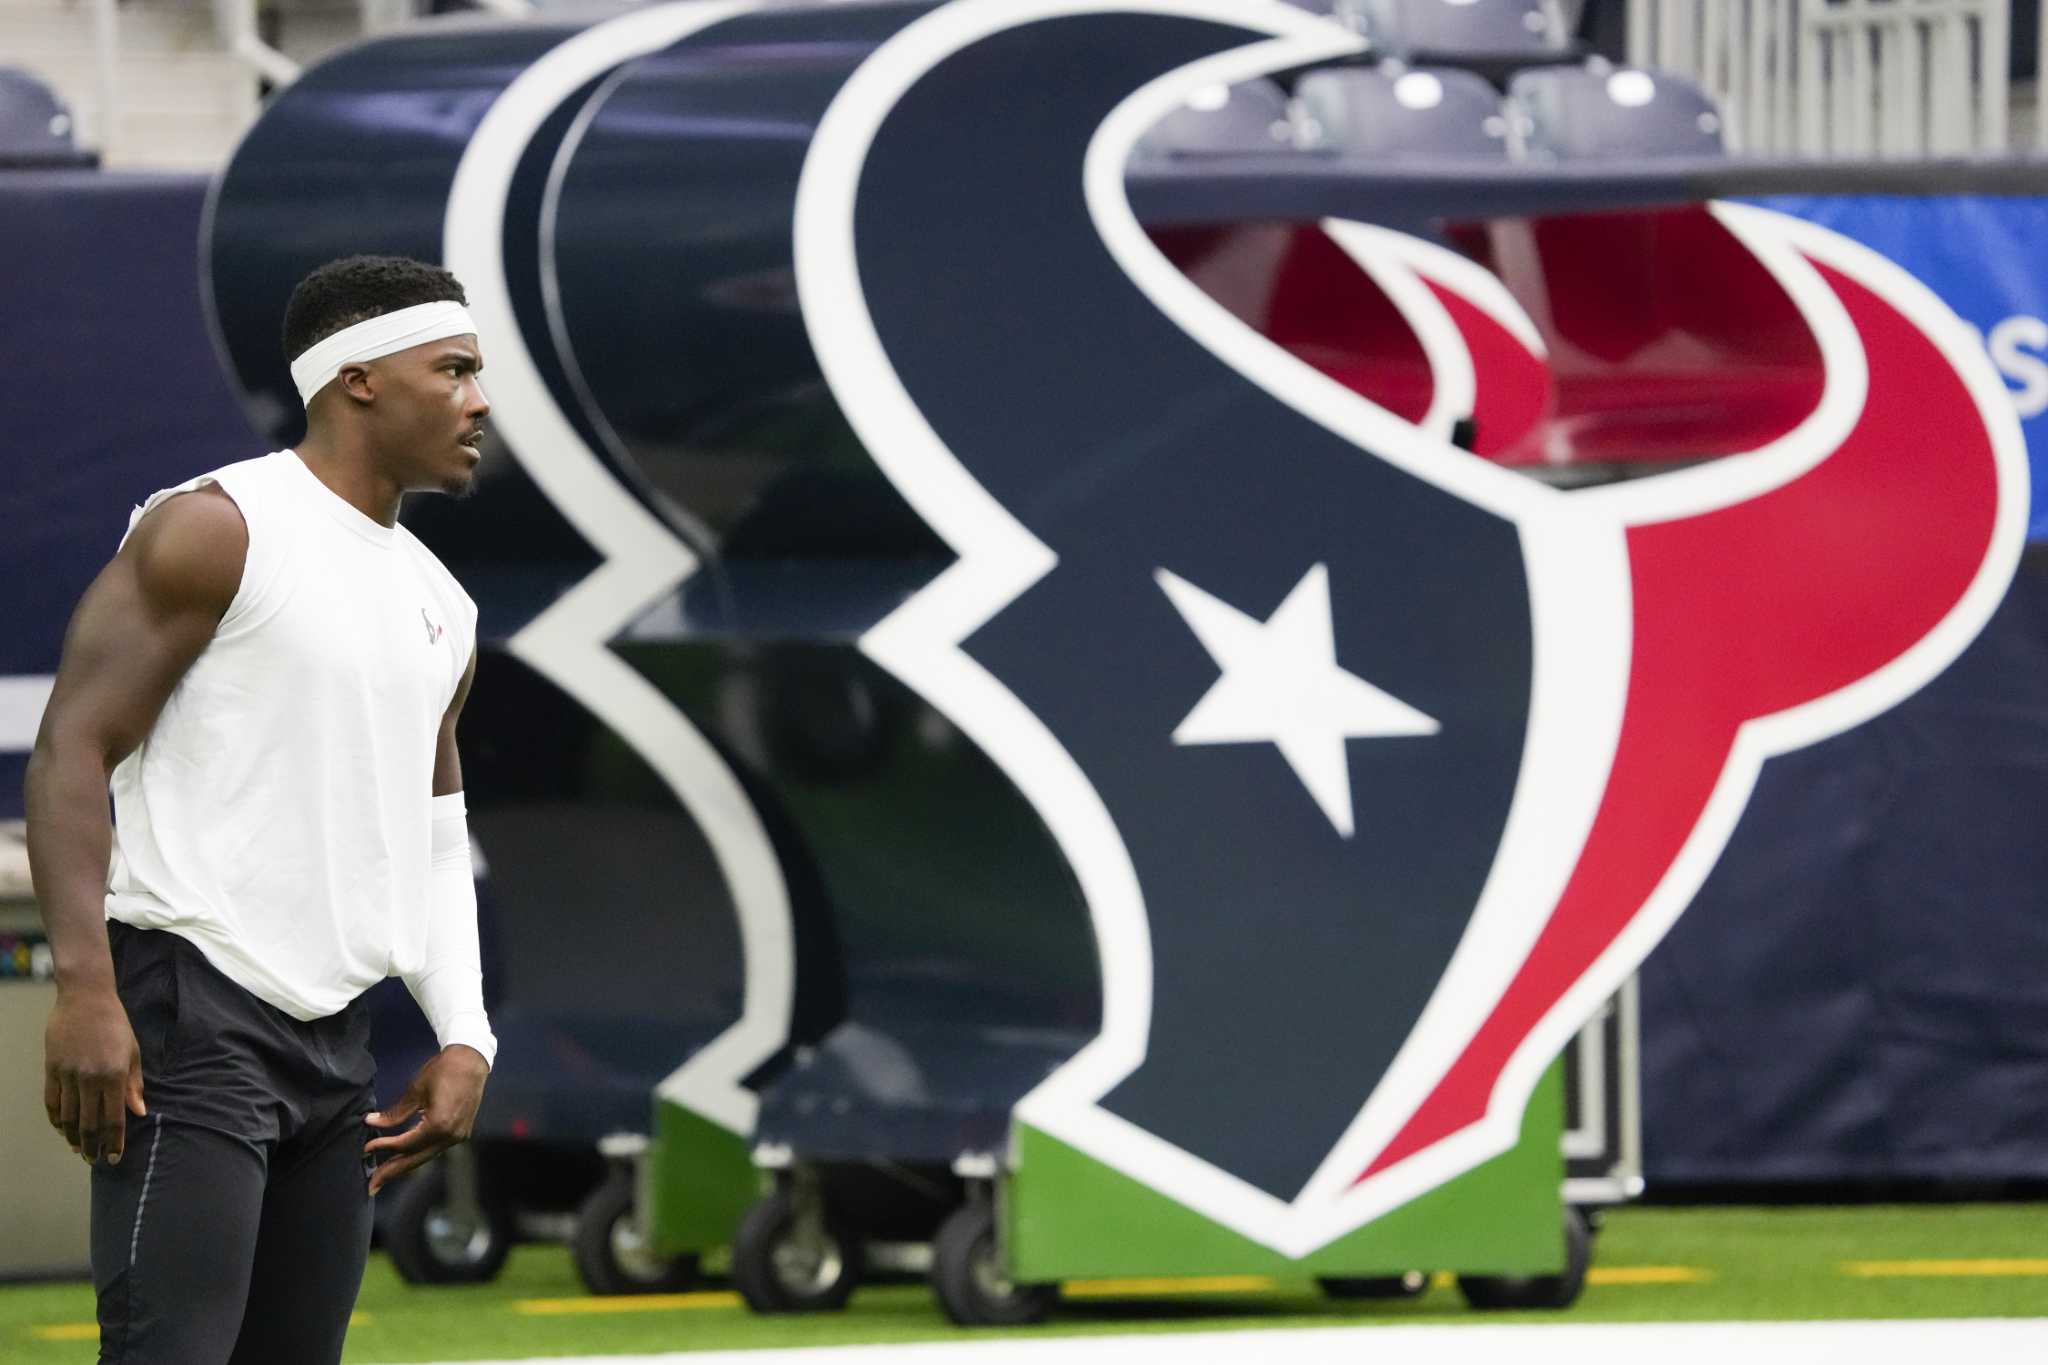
(2041, 79)
(1845, 78)
(385, 16)
(106, 43)
(236, 20)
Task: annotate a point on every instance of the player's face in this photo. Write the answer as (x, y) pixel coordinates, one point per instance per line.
(435, 415)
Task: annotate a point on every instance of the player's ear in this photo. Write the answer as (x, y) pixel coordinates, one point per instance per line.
(357, 382)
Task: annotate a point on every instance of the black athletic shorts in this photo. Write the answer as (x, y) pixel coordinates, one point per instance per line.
(236, 1226)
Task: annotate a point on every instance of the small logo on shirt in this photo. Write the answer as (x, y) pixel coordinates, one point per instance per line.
(433, 631)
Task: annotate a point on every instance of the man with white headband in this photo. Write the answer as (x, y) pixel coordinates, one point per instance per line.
(268, 674)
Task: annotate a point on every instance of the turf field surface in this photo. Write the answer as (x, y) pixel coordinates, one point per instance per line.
(1983, 1341)
(1651, 1266)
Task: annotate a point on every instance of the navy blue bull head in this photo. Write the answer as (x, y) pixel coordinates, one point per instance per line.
(1377, 765)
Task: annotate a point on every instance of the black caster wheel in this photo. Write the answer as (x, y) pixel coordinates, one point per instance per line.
(611, 1251)
(432, 1241)
(792, 1256)
(1538, 1291)
(1407, 1285)
(968, 1275)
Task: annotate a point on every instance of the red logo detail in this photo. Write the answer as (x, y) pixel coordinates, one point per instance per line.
(1743, 612)
(433, 631)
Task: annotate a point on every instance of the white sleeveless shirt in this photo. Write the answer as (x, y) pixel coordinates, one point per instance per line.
(278, 814)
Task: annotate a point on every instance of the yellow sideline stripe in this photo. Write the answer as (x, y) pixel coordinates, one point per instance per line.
(1193, 1284)
(89, 1331)
(627, 1303)
(2024, 1265)
(1648, 1274)
(1160, 1287)
(1259, 1284)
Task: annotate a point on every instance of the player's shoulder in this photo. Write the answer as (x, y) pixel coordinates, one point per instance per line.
(191, 513)
(221, 495)
(189, 548)
(195, 536)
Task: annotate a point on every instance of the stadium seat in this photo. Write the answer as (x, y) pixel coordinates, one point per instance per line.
(1452, 30)
(1600, 112)
(1222, 121)
(1390, 112)
(35, 127)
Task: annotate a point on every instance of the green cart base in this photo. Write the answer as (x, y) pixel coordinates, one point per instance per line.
(671, 1202)
(999, 1256)
(1059, 1215)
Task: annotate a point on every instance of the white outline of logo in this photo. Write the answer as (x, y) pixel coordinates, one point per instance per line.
(1577, 570)
(568, 643)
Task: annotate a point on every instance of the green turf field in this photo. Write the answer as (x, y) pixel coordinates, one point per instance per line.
(1650, 1265)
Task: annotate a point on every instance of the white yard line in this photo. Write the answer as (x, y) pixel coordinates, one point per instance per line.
(1981, 1341)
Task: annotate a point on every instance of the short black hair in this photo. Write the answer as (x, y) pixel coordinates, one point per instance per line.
(345, 292)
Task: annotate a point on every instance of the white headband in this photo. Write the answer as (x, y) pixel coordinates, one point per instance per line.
(374, 337)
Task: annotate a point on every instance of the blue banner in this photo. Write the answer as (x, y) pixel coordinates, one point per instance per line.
(1982, 254)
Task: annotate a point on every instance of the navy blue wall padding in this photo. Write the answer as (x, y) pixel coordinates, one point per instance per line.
(110, 386)
(1860, 991)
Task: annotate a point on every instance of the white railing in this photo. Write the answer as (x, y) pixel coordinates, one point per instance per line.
(1823, 78)
(240, 36)
(237, 22)
(106, 51)
(380, 16)
(1841, 78)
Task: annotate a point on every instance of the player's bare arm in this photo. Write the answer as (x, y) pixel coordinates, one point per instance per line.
(136, 631)
(445, 1094)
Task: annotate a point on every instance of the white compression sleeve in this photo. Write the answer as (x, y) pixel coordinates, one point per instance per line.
(449, 985)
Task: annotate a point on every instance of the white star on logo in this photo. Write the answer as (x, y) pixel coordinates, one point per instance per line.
(1281, 685)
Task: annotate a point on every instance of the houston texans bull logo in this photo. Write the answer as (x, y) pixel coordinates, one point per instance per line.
(1376, 765)
(1303, 690)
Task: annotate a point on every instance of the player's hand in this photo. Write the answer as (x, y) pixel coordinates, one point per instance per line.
(92, 1072)
(444, 1098)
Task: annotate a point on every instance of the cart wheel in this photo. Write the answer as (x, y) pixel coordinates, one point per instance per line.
(611, 1251)
(790, 1258)
(432, 1243)
(1538, 1291)
(1408, 1285)
(968, 1276)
